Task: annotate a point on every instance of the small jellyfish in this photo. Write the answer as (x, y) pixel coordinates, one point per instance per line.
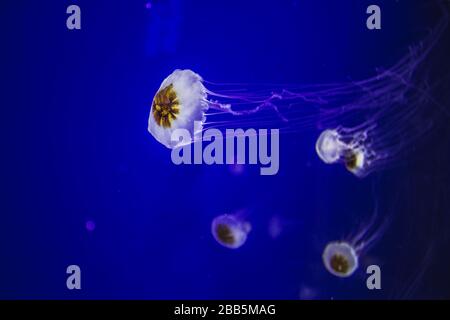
(340, 259)
(308, 293)
(278, 225)
(356, 161)
(275, 227)
(329, 147)
(230, 230)
(351, 149)
(236, 168)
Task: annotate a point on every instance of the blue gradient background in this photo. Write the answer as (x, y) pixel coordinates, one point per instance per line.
(75, 147)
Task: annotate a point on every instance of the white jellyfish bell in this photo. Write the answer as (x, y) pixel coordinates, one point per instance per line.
(350, 148)
(180, 102)
(329, 147)
(340, 259)
(230, 230)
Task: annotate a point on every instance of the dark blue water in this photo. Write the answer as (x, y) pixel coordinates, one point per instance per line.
(75, 149)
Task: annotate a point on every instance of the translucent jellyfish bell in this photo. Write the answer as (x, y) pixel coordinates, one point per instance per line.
(178, 104)
(230, 231)
(349, 148)
(329, 147)
(356, 161)
(340, 259)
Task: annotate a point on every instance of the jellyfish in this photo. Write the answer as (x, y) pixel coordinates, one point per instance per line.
(179, 103)
(341, 257)
(90, 225)
(279, 224)
(335, 146)
(230, 230)
(308, 293)
(367, 124)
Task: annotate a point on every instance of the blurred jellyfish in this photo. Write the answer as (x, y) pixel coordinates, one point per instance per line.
(335, 146)
(368, 124)
(307, 293)
(236, 168)
(230, 230)
(275, 227)
(90, 225)
(278, 225)
(340, 259)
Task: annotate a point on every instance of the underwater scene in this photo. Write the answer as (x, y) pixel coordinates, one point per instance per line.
(175, 149)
